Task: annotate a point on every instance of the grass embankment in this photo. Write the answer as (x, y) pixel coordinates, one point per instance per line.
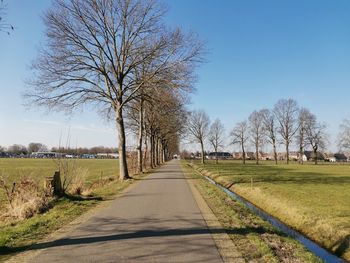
(255, 238)
(16, 236)
(313, 199)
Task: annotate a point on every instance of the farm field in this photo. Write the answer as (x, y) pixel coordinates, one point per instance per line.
(313, 199)
(12, 170)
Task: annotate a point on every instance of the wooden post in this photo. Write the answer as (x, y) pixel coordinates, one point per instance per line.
(57, 184)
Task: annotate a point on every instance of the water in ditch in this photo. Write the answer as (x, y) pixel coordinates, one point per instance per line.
(309, 244)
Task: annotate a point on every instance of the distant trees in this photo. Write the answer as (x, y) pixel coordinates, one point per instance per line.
(315, 135)
(286, 123)
(104, 53)
(198, 128)
(303, 120)
(344, 135)
(17, 149)
(239, 135)
(216, 136)
(270, 130)
(36, 147)
(286, 113)
(257, 131)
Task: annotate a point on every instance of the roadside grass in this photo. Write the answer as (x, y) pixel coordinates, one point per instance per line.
(16, 236)
(314, 199)
(256, 239)
(14, 170)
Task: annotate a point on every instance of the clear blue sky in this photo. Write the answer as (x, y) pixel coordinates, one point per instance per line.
(260, 51)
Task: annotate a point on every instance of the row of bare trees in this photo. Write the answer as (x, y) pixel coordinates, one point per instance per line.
(285, 123)
(119, 56)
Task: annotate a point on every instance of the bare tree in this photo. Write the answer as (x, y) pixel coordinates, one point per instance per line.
(240, 136)
(303, 119)
(270, 130)
(94, 52)
(344, 135)
(198, 128)
(216, 136)
(4, 25)
(256, 130)
(36, 147)
(315, 134)
(17, 149)
(286, 112)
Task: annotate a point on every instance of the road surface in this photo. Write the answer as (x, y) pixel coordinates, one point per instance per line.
(157, 220)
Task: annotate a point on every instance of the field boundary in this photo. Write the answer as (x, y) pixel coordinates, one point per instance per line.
(227, 249)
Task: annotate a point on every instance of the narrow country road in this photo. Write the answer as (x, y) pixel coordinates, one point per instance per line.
(157, 220)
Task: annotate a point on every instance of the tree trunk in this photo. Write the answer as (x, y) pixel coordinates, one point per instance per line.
(202, 148)
(274, 150)
(164, 155)
(157, 151)
(140, 137)
(257, 153)
(243, 152)
(145, 153)
(287, 151)
(152, 151)
(123, 166)
(315, 154)
(301, 147)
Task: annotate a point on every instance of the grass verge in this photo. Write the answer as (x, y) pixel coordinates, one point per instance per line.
(17, 236)
(257, 240)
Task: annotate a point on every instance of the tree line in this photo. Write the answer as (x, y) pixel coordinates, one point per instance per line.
(120, 57)
(18, 149)
(286, 123)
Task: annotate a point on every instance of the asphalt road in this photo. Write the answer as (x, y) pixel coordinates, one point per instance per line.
(157, 220)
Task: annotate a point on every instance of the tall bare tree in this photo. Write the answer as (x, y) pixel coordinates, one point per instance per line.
(94, 51)
(286, 112)
(198, 128)
(257, 131)
(216, 136)
(344, 135)
(315, 134)
(239, 135)
(270, 130)
(303, 119)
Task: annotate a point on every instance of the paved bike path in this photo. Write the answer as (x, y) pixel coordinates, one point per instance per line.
(157, 220)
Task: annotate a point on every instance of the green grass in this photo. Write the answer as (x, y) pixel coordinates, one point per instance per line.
(37, 169)
(256, 239)
(313, 199)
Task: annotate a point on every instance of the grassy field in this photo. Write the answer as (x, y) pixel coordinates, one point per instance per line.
(256, 240)
(16, 236)
(313, 199)
(37, 169)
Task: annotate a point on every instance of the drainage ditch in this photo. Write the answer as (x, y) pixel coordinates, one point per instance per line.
(308, 243)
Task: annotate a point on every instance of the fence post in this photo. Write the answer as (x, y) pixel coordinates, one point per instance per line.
(57, 184)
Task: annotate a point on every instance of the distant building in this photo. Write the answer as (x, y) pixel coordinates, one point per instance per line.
(46, 155)
(220, 155)
(107, 155)
(340, 157)
(310, 156)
